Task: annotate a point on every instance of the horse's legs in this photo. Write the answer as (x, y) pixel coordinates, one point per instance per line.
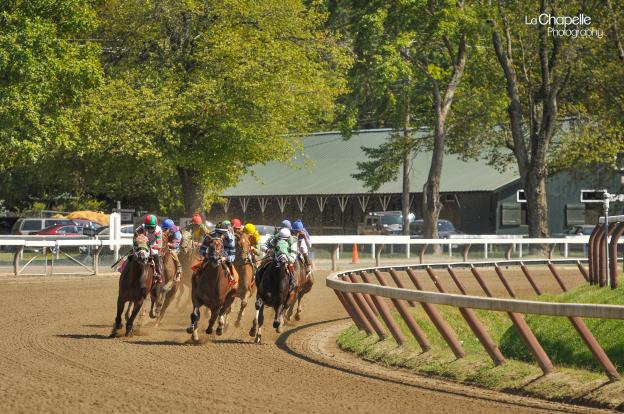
(214, 313)
(117, 326)
(129, 310)
(137, 305)
(154, 293)
(299, 309)
(254, 328)
(241, 311)
(260, 318)
(289, 313)
(194, 320)
(168, 299)
(279, 318)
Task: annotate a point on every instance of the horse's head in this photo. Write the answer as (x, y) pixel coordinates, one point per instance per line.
(243, 246)
(186, 244)
(215, 248)
(141, 249)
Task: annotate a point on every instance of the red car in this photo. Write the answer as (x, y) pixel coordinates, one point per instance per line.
(61, 230)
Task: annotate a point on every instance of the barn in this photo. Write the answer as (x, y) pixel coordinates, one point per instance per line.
(319, 188)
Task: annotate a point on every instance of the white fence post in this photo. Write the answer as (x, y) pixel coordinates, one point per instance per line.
(485, 250)
(114, 234)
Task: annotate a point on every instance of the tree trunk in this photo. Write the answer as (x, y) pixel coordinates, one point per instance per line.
(407, 169)
(191, 191)
(431, 191)
(537, 206)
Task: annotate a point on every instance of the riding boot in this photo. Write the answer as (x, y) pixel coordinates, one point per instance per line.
(157, 268)
(176, 260)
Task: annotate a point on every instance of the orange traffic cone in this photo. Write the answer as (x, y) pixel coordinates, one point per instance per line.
(355, 258)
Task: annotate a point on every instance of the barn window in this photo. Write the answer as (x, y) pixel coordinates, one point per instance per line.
(511, 214)
(575, 214)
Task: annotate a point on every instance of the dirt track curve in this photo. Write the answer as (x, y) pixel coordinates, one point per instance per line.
(55, 356)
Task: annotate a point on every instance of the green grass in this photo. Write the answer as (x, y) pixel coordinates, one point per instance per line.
(561, 341)
(577, 376)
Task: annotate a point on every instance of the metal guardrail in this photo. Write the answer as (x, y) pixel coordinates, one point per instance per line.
(365, 302)
(55, 245)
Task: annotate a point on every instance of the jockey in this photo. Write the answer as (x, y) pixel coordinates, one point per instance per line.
(152, 230)
(285, 224)
(229, 247)
(303, 243)
(270, 247)
(237, 225)
(197, 228)
(172, 236)
(254, 238)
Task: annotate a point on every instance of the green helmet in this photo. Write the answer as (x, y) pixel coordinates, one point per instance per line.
(226, 223)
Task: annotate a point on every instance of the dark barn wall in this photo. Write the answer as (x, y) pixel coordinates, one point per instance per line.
(473, 214)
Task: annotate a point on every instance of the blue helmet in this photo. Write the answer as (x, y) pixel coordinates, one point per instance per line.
(297, 225)
(286, 224)
(168, 224)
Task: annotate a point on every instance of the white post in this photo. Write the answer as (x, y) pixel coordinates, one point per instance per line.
(520, 250)
(565, 250)
(373, 251)
(450, 250)
(407, 250)
(114, 234)
(485, 251)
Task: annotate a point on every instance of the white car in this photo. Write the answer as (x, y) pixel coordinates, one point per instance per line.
(127, 230)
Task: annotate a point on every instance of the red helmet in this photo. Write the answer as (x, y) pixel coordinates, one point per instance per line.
(236, 223)
(151, 220)
(197, 219)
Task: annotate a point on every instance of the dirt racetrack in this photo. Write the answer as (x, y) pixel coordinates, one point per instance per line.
(55, 356)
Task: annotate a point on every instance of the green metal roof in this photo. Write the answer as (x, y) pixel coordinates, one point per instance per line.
(329, 161)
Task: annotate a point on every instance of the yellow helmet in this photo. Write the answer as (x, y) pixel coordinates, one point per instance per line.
(249, 228)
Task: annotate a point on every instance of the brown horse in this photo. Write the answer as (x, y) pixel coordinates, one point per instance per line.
(211, 287)
(188, 255)
(275, 290)
(305, 281)
(163, 294)
(245, 268)
(135, 283)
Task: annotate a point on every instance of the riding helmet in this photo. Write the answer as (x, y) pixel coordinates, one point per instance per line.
(286, 224)
(284, 233)
(151, 220)
(297, 225)
(168, 225)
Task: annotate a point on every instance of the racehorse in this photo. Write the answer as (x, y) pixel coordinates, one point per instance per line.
(211, 287)
(163, 293)
(305, 281)
(135, 283)
(245, 268)
(276, 290)
(188, 255)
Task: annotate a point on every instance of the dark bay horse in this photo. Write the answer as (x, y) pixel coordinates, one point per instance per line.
(245, 268)
(163, 294)
(211, 287)
(275, 290)
(135, 283)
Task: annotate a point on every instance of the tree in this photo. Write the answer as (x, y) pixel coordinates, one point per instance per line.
(45, 70)
(412, 57)
(546, 80)
(234, 83)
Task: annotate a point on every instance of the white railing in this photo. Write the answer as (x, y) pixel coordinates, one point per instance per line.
(333, 243)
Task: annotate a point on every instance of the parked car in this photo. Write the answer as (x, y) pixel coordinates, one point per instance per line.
(383, 222)
(127, 230)
(580, 230)
(25, 226)
(88, 223)
(445, 229)
(6, 224)
(61, 230)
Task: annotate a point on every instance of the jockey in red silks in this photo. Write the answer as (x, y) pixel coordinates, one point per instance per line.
(152, 230)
